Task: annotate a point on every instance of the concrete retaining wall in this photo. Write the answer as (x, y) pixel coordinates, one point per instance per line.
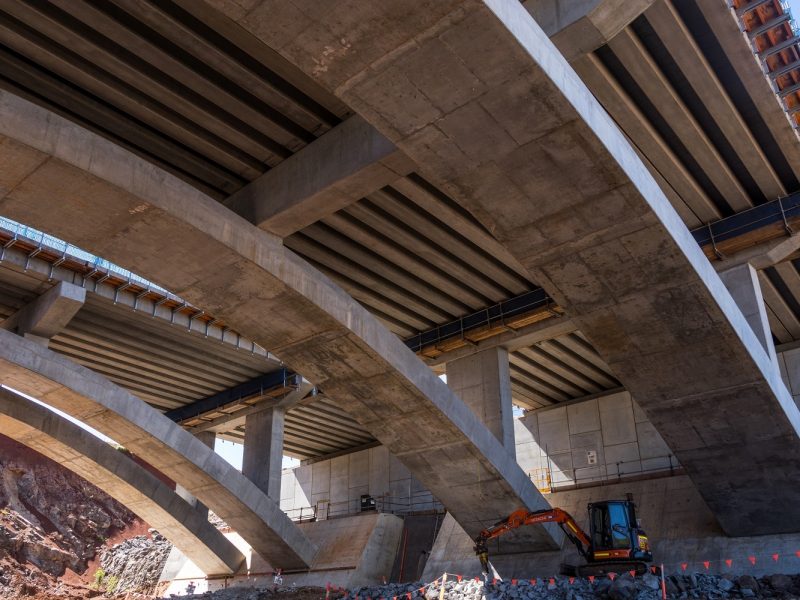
(341, 481)
(354, 551)
(611, 430)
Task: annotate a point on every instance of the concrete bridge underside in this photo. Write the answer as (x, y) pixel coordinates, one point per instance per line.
(121, 478)
(135, 214)
(514, 136)
(32, 369)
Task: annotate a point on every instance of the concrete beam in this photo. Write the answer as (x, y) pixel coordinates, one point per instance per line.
(48, 314)
(237, 418)
(247, 277)
(502, 115)
(511, 340)
(89, 397)
(341, 167)
(577, 27)
(122, 478)
(766, 254)
(249, 389)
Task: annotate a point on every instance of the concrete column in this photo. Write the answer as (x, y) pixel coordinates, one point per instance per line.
(789, 363)
(742, 283)
(263, 450)
(483, 382)
(209, 438)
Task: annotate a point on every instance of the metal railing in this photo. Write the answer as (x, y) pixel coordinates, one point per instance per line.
(546, 480)
(322, 510)
(65, 248)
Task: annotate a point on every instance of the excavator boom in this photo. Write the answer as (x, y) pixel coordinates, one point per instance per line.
(522, 517)
(616, 540)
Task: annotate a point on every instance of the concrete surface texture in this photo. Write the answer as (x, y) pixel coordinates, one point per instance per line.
(116, 204)
(344, 165)
(121, 478)
(340, 482)
(789, 364)
(590, 441)
(354, 551)
(577, 27)
(503, 116)
(483, 382)
(48, 314)
(34, 370)
(263, 450)
(679, 525)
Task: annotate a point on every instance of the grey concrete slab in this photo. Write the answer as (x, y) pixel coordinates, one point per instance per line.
(582, 213)
(341, 167)
(245, 276)
(121, 478)
(85, 395)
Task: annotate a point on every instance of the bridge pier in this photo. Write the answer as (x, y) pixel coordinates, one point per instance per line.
(263, 450)
(483, 382)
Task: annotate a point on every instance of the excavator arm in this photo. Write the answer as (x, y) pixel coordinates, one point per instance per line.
(522, 517)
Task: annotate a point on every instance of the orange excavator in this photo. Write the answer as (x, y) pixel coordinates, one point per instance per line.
(615, 543)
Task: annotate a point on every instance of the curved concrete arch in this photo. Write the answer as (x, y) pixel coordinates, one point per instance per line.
(131, 212)
(121, 478)
(75, 390)
(515, 137)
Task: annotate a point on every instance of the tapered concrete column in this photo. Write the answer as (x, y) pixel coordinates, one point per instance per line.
(263, 450)
(483, 382)
(742, 283)
(209, 438)
(789, 363)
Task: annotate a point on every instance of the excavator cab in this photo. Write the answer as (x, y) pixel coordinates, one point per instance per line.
(615, 533)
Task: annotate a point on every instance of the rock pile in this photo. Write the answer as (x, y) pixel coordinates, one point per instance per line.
(135, 564)
(624, 587)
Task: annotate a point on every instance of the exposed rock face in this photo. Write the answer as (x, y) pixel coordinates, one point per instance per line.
(51, 520)
(135, 564)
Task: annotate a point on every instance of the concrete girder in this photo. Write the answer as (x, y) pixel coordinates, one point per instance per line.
(577, 27)
(640, 64)
(511, 340)
(693, 64)
(225, 265)
(761, 256)
(121, 478)
(347, 163)
(584, 216)
(237, 418)
(48, 314)
(694, 205)
(87, 396)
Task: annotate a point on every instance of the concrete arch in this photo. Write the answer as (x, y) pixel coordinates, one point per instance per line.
(121, 478)
(550, 174)
(34, 370)
(118, 206)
